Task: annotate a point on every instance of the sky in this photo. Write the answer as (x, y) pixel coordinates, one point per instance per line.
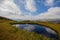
(30, 9)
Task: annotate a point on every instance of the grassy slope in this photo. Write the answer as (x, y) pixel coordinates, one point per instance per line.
(7, 32)
(55, 26)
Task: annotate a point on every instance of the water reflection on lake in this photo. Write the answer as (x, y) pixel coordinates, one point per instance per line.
(38, 29)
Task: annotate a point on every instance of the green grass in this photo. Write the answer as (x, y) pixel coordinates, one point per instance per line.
(9, 32)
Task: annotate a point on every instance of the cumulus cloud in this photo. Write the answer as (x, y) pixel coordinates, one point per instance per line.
(9, 9)
(52, 13)
(49, 2)
(30, 5)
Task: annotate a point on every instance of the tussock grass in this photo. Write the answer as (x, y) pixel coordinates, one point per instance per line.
(8, 32)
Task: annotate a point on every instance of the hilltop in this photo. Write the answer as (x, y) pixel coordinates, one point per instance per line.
(9, 32)
(4, 18)
(7, 20)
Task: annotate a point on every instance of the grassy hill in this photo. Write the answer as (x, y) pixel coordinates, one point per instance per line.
(9, 32)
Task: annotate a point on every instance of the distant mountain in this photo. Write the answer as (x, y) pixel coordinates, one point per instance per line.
(55, 21)
(48, 20)
(41, 20)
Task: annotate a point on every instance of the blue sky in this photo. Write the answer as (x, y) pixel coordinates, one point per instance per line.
(39, 4)
(30, 9)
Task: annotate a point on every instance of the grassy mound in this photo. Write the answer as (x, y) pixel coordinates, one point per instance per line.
(8, 32)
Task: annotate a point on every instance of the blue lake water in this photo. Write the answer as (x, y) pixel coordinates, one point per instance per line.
(38, 29)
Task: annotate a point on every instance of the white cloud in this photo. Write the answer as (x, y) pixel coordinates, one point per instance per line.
(9, 9)
(52, 13)
(30, 5)
(49, 2)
